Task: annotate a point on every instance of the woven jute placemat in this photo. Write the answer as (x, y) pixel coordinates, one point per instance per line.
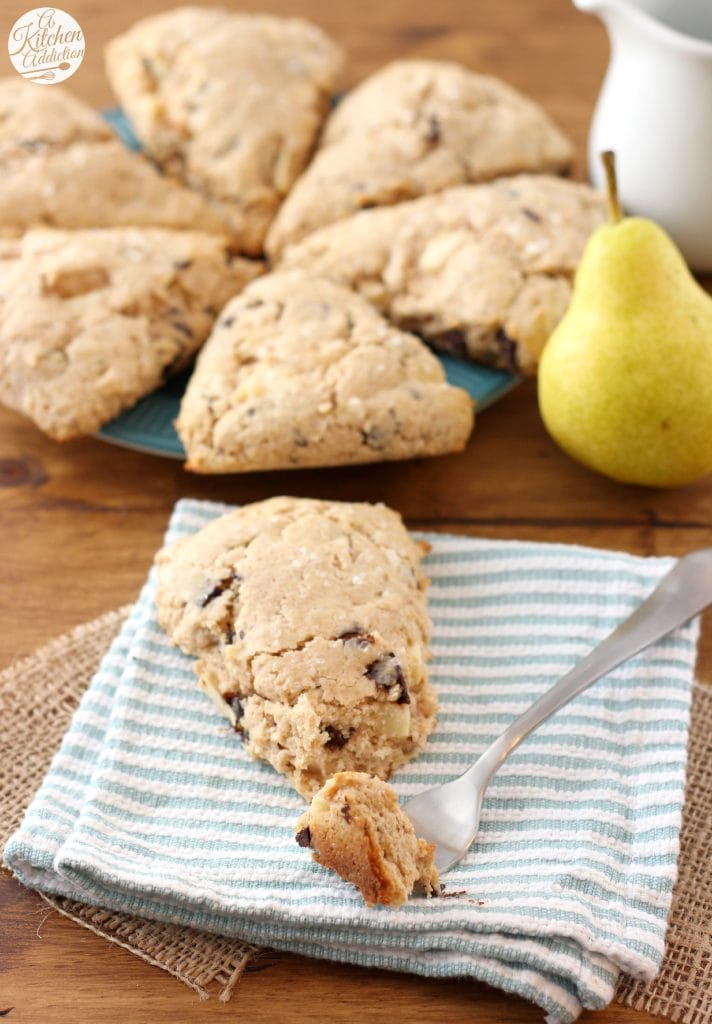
(212, 965)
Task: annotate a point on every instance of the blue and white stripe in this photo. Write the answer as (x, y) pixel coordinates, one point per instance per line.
(152, 807)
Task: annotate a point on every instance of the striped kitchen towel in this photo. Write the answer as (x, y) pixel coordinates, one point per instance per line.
(152, 807)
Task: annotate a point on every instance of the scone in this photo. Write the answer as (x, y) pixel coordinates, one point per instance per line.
(482, 271)
(62, 166)
(92, 320)
(300, 371)
(355, 827)
(310, 626)
(229, 103)
(412, 128)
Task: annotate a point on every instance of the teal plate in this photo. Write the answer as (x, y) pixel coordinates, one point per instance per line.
(148, 425)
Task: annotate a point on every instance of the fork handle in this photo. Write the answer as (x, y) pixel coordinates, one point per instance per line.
(680, 595)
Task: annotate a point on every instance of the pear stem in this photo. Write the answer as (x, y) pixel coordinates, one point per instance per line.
(609, 165)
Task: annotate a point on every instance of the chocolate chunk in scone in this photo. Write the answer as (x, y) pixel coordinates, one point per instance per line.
(277, 645)
(303, 372)
(483, 271)
(92, 320)
(355, 827)
(412, 128)
(62, 166)
(229, 103)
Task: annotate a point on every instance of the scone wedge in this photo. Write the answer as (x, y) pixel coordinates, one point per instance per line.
(310, 626)
(62, 166)
(482, 271)
(300, 371)
(413, 128)
(230, 103)
(90, 321)
(355, 827)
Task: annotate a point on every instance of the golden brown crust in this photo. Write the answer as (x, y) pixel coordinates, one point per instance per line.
(93, 320)
(413, 128)
(300, 371)
(356, 828)
(229, 103)
(310, 622)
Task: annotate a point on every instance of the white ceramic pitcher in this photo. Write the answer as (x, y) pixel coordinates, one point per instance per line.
(655, 111)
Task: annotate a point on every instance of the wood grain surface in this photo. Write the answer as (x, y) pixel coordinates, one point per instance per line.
(80, 522)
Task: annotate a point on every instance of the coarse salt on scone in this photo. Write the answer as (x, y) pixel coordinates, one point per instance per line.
(412, 128)
(92, 320)
(62, 166)
(310, 624)
(355, 827)
(300, 371)
(230, 103)
(482, 271)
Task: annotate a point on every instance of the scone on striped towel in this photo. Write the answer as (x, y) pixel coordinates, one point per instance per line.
(309, 622)
(355, 827)
(90, 321)
(571, 878)
(300, 371)
(229, 103)
(482, 271)
(62, 166)
(412, 128)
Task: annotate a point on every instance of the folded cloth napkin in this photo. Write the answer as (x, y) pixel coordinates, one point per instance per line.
(152, 807)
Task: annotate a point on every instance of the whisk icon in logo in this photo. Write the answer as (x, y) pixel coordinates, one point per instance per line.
(46, 45)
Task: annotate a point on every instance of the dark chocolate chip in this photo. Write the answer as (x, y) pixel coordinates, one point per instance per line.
(403, 696)
(219, 588)
(227, 322)
(387, 674)
(346, 811)
(234, 702)
(230, 637)
(531, 215)
(178, 325)
(356, 638)
(183, 264)
(172, 368)
(374, 438)
(300, 440)
(507, 351)
(303, 836)
(433, 133)
(385, 671)
(337, 739)
(454, 341)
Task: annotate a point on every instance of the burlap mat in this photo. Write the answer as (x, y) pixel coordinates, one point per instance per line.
(211, 965)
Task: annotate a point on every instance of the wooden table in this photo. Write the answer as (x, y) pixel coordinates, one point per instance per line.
(81, 521)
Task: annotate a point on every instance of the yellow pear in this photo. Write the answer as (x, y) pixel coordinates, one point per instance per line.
(625, 380)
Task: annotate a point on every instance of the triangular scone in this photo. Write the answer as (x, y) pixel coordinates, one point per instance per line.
(416, 127)
(62, 166)
(483, 271)
(92, 320)
(309, 619)
(303, 372)
(230, 103)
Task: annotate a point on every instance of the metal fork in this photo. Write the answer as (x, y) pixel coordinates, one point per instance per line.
(449, 815)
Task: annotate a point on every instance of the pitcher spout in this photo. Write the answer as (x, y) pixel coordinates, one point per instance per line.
(683, 26)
